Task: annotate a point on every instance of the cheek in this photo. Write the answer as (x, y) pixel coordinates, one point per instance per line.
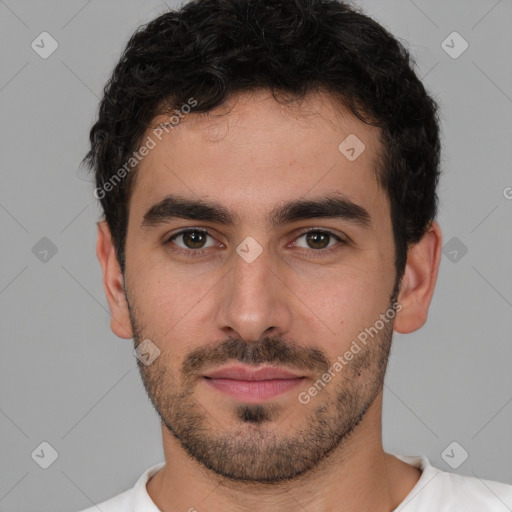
(347, 301)
(170, 300)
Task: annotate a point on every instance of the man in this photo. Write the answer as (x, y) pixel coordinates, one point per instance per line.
(268, 175)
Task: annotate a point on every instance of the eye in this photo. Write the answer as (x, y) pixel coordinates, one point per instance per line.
(317, 239)
(192, 239)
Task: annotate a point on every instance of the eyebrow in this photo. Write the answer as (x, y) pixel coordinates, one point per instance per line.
(335, 206)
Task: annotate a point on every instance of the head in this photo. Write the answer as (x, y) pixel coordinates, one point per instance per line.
(298, 142)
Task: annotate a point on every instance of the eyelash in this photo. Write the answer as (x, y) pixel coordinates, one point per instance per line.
(200, 252)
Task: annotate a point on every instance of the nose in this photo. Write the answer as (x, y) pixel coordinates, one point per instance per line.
(253, 300)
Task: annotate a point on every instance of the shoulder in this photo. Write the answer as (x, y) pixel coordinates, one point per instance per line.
(473, 492)
(135, 499)
(444, 491)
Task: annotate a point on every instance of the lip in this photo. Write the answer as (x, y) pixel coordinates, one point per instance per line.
(252, 385)
(244, 372)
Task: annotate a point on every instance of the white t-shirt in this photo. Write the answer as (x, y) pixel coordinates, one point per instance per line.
(435, 491)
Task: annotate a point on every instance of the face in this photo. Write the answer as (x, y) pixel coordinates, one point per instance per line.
(254, 241)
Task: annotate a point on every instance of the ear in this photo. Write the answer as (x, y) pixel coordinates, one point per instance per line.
(419, 281)
(113, 283)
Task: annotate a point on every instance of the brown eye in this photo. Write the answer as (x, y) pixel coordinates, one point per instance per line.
(318, 240)
(191, 239)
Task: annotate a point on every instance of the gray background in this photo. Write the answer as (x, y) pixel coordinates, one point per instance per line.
(67, 380)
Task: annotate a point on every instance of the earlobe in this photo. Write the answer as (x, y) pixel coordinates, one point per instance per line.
(113, 283)
(419, 280)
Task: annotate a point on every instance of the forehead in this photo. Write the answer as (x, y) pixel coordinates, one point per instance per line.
(253, 147)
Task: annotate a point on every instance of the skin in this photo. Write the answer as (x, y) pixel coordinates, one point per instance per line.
(294, 302)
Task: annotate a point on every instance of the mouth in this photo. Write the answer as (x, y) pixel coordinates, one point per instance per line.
(253, 385)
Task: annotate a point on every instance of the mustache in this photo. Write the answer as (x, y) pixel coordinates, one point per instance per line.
(267, 349)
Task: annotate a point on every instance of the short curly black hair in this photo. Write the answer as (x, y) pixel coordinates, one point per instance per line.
(209, 49)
